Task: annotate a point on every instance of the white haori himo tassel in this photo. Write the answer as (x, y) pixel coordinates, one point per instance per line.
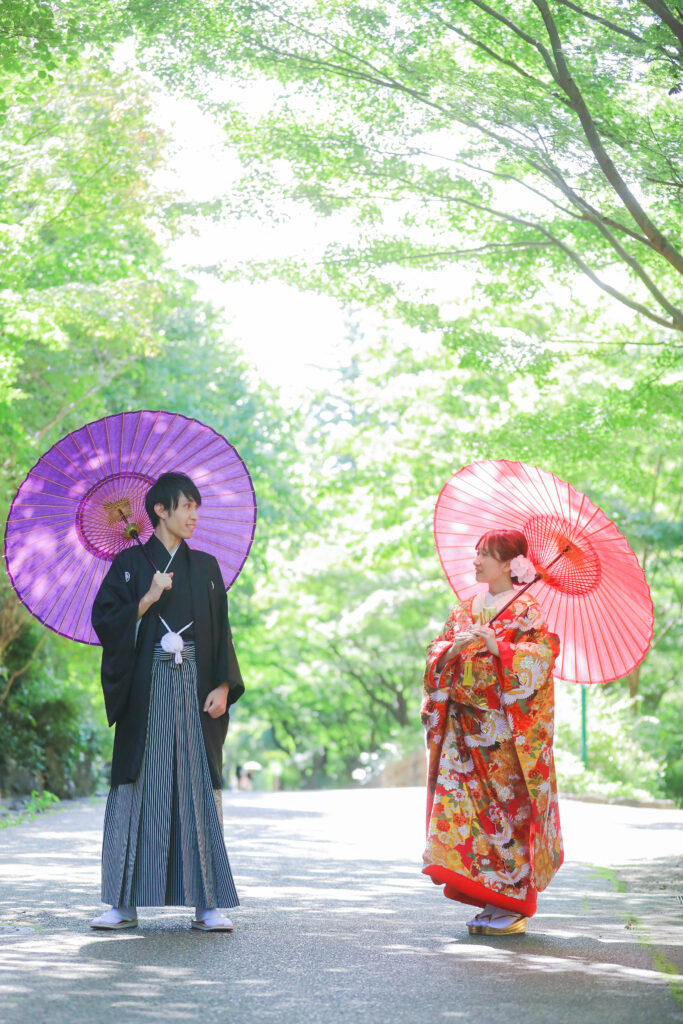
(173, 643)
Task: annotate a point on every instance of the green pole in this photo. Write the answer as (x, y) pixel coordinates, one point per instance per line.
(584, 730)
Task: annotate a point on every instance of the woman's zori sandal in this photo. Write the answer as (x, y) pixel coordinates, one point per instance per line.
(496, 921)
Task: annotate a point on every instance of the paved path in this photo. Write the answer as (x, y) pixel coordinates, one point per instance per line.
(338, 925)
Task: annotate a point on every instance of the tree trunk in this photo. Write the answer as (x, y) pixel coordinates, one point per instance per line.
(632, 680)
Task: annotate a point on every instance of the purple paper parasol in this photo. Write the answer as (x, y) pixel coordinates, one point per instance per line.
(65, 523)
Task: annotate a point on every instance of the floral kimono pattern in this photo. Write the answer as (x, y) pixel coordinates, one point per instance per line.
(493, 827)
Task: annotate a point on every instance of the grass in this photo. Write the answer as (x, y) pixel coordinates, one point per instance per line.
(611, 876)
(660, 962)
(38, 804)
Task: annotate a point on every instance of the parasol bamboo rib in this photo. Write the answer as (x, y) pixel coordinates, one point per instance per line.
(59, 538)
(582, 591)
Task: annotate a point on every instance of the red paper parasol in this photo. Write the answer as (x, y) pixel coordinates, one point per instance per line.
(594, 595)
(66, 522)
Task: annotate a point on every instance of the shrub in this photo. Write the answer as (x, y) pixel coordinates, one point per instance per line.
(48, 741)
(623, 757)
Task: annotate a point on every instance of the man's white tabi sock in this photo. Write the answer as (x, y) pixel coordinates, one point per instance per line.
(211, 917)
(114, 916)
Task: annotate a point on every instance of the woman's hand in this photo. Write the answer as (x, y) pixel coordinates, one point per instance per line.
(487, 634)
(216, 703)
(460, 640)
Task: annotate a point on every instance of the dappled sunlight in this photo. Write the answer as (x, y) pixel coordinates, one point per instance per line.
(331, 888)
(575, 965)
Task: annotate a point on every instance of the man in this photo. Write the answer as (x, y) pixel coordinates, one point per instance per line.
(169, 676)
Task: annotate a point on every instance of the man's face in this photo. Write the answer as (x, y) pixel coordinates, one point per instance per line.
(181, 521)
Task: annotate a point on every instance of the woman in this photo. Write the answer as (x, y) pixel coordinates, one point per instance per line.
(493, 827)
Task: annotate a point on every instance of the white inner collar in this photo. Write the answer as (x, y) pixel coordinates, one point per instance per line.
(173, 553)
(486, 599)
(491, 599)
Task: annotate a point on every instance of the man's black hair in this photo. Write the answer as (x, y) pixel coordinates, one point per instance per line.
(166, 491)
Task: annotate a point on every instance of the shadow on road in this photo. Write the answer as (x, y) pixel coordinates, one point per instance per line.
(337, 925)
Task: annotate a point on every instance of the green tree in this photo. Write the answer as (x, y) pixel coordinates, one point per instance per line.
(499, 180)
(348, 621)
(94, 320)
(535, 144)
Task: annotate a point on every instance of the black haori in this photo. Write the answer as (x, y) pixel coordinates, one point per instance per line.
(163, 840)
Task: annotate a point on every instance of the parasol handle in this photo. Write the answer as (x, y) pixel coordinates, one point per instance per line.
(135, 534)
(526, 586)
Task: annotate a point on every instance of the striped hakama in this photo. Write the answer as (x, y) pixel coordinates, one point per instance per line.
(163, 839)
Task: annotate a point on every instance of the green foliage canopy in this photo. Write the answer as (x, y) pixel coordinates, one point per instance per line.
(535, 144)
(501, 178)
(94, 320)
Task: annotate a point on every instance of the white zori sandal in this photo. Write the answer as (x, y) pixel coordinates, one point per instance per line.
(115, 919)
(494, 920)
(211, 921)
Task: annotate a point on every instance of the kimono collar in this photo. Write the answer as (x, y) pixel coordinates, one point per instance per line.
(160, 555)
(479, 601)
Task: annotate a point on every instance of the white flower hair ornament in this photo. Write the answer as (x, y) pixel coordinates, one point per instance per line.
(523, 569)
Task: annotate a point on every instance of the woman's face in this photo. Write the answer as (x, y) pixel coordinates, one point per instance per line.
(488, 569)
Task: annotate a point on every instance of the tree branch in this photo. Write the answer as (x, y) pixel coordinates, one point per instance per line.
(20, 671)
(365, 70)
(502, 176)
(555, 178)
(663, 181)
(595, 218)
(619, 344)
(438, 254)
(608, 168)
(278, 743)
(666, 629)
(536, 43)
(602, 21)
(676, 325)
(376, 78)
(76, 193)
(371, 691)
(110, 372)
(373, 74)
(667, 17)
(517, 68)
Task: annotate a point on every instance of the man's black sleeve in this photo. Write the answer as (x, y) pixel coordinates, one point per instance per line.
(114, 617)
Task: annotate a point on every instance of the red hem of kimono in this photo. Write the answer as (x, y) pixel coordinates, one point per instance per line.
(464, 890)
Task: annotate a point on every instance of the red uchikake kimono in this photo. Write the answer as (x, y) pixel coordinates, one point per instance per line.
(493, 826)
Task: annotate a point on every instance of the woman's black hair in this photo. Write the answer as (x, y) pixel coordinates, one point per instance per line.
(166, 491)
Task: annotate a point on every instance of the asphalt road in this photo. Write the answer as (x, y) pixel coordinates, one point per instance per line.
(338, 925)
